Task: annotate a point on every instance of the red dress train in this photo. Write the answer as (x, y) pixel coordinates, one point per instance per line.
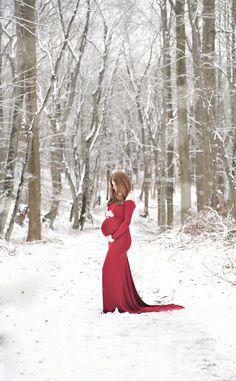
(117, 283)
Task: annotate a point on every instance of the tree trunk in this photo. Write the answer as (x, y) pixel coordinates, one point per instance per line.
(184, 160)
(108, 172)
(208, 95)
(233, 85)
(86, 187)
(162, 174)
(34, 231)
(75, 208)
(167, 88)
(146, 173)
(2, 150)
(56, 166)
(201, 143)
(95, 126)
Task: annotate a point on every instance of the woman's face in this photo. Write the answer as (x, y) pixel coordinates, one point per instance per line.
(114, 185)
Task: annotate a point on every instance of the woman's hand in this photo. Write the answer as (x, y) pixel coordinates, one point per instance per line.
(109, 213)
(110, 239)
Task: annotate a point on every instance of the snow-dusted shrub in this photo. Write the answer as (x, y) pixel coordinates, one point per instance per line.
(208, 221)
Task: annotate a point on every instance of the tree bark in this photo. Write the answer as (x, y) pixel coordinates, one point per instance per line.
(199, 123)
(18, 96)
(56, 168)
(184, 159)
(167, 88)
(2, 150)
(209, 97)
(75, 208)
(233, 85)
(34, 230)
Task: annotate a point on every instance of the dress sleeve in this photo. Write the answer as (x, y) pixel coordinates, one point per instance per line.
(129, 208)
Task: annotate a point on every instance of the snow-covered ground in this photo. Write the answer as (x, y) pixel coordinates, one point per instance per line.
(52, 328)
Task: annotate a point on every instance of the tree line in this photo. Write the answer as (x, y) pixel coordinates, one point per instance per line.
(91, 86)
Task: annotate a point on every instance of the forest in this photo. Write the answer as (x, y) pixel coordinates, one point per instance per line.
(88, 87)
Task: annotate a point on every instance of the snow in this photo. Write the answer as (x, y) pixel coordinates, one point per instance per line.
(53, 328)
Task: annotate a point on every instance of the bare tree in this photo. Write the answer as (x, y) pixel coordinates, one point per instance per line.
(209, 95)
(34, 122)
(232, 82)
(30, 38)
(1, 110)
(61, 115)
(18, 97)
(168, 112)
(183, 143)
(95, 126)
(111, 88)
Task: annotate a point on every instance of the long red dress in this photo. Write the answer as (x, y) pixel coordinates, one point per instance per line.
(117, 283)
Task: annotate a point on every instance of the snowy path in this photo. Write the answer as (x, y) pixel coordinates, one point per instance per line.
(52, 328)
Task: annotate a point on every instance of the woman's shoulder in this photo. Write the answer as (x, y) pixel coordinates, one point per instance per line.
(130, 196)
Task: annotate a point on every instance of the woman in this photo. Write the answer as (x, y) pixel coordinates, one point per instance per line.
(117, 283)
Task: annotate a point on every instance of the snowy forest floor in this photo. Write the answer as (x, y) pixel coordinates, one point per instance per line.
(52, 328)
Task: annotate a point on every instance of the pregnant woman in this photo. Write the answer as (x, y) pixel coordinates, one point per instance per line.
(117, 283)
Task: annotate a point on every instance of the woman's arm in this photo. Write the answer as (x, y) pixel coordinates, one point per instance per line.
(129, 208)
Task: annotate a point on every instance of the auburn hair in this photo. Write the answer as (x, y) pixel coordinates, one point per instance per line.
(123, 185)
